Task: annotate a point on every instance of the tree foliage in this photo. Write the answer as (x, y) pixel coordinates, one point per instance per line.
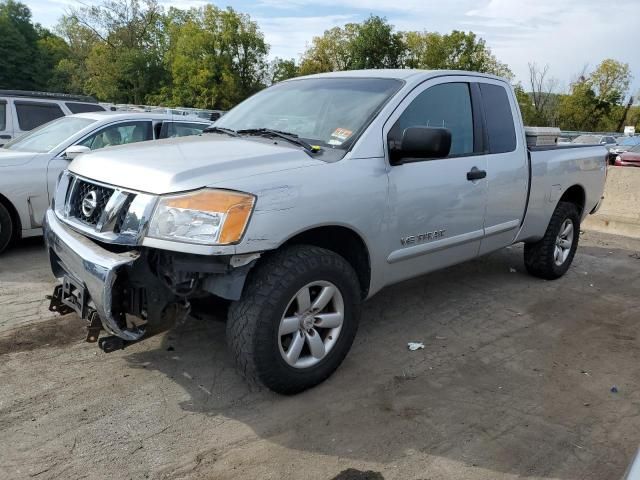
(26, 49)
(370, 44)
(454, 51)
(136, 51)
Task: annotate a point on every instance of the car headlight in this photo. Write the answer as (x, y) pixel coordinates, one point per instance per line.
(209, 217)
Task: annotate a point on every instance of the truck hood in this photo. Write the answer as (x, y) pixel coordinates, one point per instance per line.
(10, 158)
(187, 163)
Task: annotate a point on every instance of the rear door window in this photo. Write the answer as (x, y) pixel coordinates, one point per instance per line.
(499, 118)
(84, 107)
(3, 115)
(181, 129)
(34, 114)
(119, 134)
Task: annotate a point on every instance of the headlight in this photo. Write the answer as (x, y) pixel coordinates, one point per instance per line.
(206, 216)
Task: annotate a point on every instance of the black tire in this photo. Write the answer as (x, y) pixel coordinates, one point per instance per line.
(6, 228)
(539, 257)
(253, 322)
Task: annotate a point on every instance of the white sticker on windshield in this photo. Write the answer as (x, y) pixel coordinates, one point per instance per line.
(339, 136)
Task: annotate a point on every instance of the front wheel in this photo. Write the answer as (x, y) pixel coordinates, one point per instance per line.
(551, 257)
(6, 228)
(296, 320)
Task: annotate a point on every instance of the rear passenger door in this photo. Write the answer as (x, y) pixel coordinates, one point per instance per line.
(507, 166)
(436, 213)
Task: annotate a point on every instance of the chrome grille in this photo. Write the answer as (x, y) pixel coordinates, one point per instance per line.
(81, 192)
(104, 212)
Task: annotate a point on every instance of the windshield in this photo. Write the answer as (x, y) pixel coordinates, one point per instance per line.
(323, 111)
(50, 135)
(587, 139)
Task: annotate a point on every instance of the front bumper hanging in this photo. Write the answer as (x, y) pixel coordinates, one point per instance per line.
(88, 273)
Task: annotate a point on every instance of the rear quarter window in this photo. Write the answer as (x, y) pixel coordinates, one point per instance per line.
(34, 114)
(84, 107)
(3, 115)
(499, 118)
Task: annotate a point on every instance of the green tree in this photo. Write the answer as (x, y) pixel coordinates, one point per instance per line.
(376, 45)
(53, 50)
(525, 102)
(610, 80)
(454, 51)
(19, 54)
(595, 100)
(282, 69)
(371, 44)
(582, 109)
(216, 58)
(124, 63)
(330, 52)
(71, 71)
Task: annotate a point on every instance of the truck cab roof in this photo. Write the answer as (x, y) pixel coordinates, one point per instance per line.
(404, 74)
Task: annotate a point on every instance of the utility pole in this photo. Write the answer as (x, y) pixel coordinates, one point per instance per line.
(624, 115)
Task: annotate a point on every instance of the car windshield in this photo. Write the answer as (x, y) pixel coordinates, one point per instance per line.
(324, 111)
(635, 149)
(48, 136)
(587, 139)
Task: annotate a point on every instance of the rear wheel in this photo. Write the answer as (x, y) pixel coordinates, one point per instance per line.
(6, 228)
(551, 257)
(296, 320)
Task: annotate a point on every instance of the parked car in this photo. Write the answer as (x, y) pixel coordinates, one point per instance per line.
(623, 144)
(606, 140)
(22, 111)
(630, 158)
(303, 201)
(31, 164)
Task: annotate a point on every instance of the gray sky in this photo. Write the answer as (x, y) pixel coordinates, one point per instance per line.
(565, 34)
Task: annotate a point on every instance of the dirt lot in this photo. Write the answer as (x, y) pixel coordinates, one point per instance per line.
(515, 382)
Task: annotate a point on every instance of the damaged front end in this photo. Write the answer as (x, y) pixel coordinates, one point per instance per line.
(133, 293)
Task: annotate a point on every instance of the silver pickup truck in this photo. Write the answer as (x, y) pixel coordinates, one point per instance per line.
(305, 200)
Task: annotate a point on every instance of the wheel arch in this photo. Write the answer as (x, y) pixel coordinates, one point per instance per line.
(575, 194)
(343, 241)
(15, 217)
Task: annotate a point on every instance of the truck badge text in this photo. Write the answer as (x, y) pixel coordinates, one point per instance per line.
(423, 237)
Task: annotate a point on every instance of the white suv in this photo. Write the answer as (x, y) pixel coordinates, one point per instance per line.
(23, 111)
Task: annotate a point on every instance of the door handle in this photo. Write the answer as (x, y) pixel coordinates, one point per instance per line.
(5, 137)
(476, 174)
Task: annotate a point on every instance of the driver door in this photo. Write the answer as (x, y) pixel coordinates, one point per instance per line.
(437, 211)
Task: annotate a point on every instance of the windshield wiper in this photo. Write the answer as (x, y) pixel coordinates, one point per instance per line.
(290, 137)
(214, 129)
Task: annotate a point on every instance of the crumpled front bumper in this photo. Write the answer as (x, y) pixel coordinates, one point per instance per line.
(92, 266)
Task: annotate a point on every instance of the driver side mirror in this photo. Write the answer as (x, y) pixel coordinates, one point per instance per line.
(74, 151)
(420, 143)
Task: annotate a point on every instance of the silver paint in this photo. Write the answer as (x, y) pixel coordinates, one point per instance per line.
(362, 192)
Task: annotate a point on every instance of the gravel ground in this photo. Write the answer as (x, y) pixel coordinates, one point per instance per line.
(515, 382)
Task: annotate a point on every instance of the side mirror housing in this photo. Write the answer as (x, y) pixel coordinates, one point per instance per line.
(75, 150)
(421, 143)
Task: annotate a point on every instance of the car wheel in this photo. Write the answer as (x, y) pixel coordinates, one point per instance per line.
(551, 257)
(6, 228)
(296, 320)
